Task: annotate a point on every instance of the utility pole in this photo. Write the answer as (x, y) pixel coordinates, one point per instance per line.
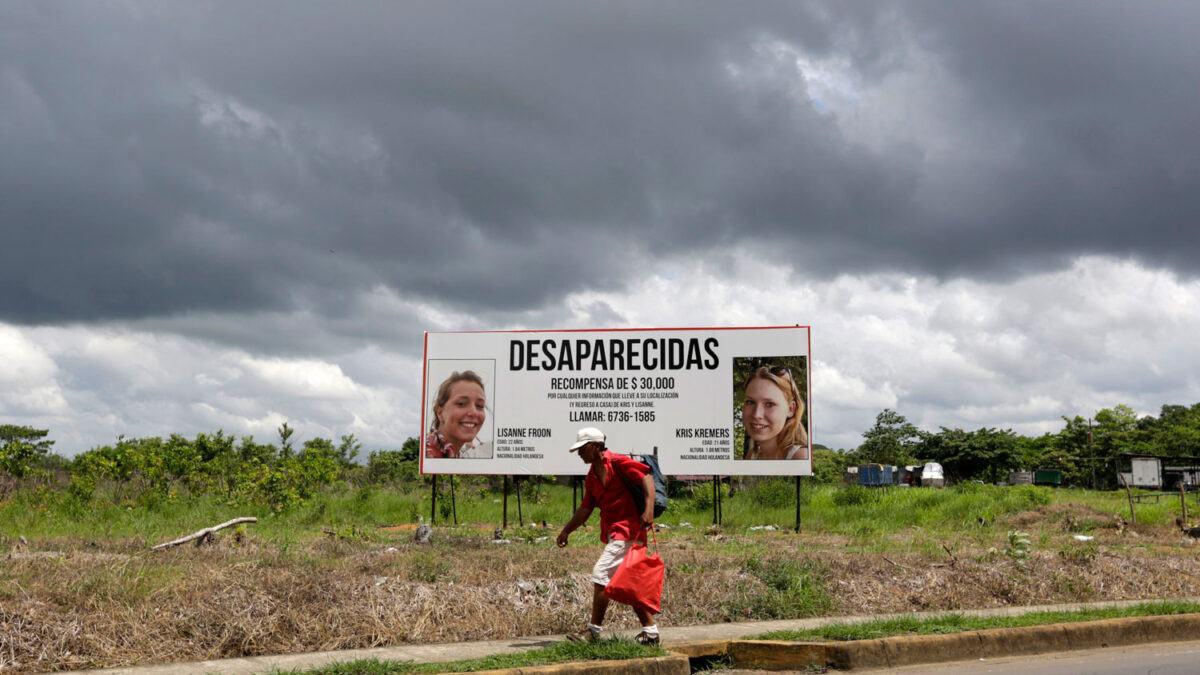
(1092, 454)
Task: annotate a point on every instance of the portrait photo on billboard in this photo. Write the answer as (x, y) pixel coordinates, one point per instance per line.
(458, 408)
(770, 408)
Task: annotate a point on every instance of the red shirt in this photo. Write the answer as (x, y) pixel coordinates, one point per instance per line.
(619, 517)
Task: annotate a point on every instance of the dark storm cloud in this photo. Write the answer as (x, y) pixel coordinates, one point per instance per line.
(160, 160)
(1096, 103)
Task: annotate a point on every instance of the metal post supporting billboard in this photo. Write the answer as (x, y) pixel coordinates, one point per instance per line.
(520, 518)
(714, 500)
(797, 503)
(433, 503)
(720, 506)
(453, 506)
(505, 525)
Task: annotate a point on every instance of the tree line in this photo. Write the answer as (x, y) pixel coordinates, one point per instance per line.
(145, 470)
(1086, 450)
(149, 470)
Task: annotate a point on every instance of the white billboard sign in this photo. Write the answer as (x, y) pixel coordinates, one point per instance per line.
(712, 401)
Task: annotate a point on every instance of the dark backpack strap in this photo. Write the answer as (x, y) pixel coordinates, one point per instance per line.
(633, 493)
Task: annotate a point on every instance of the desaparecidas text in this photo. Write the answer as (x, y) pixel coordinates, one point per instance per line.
(614, 354)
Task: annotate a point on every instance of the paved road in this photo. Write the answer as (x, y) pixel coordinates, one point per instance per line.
(1163, 658)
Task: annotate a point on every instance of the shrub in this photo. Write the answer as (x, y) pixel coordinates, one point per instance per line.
(792, 588)
(700, 495)
(1018, 547)
(391, 467)
(855, 495)
(1031, 496)
(776, 493)
(22, 449)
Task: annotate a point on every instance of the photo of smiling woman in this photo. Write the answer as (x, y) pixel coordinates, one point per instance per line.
(771, 409)
(459, 413)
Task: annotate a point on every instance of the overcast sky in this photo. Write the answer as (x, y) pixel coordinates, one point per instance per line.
(231, 214)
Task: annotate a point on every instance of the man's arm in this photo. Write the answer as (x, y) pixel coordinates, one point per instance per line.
(580, 517)
(648, 512)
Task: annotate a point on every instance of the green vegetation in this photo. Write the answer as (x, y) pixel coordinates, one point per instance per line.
(23, 450)
(878, 519)
(153, 488)
(1018, 548)
(1086, 450)
(957, 623)
(790, 588)
(560, 652)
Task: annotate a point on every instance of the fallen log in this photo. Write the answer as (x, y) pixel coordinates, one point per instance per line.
(206, 532)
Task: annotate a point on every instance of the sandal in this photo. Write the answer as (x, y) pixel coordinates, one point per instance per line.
(584, 635)
(644, 638)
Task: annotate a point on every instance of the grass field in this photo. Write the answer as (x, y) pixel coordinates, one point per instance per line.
(342, 571)
(965, 511)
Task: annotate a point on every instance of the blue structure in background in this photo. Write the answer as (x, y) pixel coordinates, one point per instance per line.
(874, 475)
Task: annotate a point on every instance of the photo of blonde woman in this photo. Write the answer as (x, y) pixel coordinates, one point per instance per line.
(771, 411)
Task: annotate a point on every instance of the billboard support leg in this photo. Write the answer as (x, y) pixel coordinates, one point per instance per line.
(1183, 502)
(505, 523)
(714, 500)
(1129, 493)
(433, 503)
(797, 503)
(720, 504)
(453, 505)
(520, 518)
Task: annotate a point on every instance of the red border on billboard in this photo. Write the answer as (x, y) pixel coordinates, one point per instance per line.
(424, 379)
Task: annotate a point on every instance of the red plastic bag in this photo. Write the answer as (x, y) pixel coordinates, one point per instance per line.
(639, 579)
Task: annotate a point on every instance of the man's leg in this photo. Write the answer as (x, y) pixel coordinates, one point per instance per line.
(609, 560)
(599, 604)
(649, 634)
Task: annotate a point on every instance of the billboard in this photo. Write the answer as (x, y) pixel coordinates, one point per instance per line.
(711, 401)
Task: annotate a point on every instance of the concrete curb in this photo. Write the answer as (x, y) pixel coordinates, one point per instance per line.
(699, 649)
(981, 644)
(671, 664)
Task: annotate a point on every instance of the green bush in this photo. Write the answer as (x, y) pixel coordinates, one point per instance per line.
(22, 450)
(775, 493)
(1030, 495)
(855, 495)
(391, 467)
(534, 489)
(791, 588)
(700, 496)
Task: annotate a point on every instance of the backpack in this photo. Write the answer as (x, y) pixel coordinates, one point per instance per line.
(660, 485)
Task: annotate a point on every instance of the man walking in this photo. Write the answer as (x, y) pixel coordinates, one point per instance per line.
(607, 485)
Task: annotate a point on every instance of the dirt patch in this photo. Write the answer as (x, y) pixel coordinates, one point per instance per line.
(868, 585)
(1069, 517)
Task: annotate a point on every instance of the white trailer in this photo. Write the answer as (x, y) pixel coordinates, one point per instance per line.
(1145, 472)
(1020, 477)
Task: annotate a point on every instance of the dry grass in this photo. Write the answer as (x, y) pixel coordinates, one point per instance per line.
(71, 604)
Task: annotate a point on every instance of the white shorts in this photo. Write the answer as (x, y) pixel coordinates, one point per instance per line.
(612, 557)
